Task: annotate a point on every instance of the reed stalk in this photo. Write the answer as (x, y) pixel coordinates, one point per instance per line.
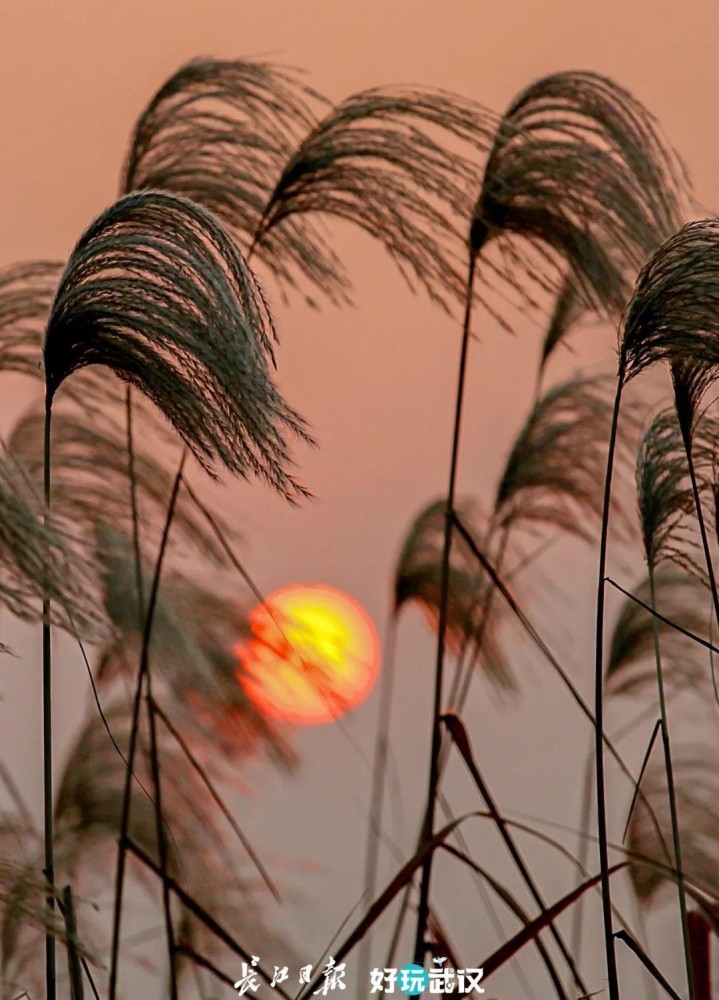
(423, 908)
(611, 958)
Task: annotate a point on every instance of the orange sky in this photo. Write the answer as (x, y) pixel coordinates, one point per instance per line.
(375, 382)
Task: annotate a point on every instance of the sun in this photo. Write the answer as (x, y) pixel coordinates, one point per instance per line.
(312, 656)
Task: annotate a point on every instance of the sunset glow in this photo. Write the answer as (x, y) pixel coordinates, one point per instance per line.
(313, 655)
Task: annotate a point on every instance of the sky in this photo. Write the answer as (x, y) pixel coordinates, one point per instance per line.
(375, 382)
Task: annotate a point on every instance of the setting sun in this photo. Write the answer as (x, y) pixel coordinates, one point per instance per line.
(313, 654)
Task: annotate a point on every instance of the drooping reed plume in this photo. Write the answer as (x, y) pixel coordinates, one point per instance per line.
(221, 132)
(38, 557)
(670, 318)
(194, 648)
(417, 578)
(551, 478)
(631, 655)
(88, 813)
(696, 791)
(90, 475)
(157, 292)
(651, 871)
(578, 169)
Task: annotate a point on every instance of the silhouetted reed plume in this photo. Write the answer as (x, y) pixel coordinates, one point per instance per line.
(631, 657)
(157, 292)
(552, 475)
(696, 790)
(417, 577)
(194, 646)
(577, 169)
(38, 556)
(91, 479)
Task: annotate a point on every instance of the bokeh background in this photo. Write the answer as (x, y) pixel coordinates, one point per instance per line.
(376, 382)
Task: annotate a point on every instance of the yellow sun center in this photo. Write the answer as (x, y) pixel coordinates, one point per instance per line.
(313, 654)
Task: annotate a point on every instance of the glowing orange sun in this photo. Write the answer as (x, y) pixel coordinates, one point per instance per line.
(313, 655)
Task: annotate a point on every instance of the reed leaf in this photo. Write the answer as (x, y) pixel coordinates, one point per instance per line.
(580, 170)
(156, 291)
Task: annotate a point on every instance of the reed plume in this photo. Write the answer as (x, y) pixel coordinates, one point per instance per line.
(552, 475)
(696, 790)
(156, 291)
(569, 308)
(91, 477)
(577, 168)
(194, 647)
(630, 667)
(220, 132)
(39, 556)
(389, 161)
(417, 578)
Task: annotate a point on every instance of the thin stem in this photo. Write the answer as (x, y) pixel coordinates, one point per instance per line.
(216, 798)
(377, 794)
(423, 909)
(73, 959)
(161, 839)
(676, 842)
(49, 870)
(144, 660)
(585, 818)
(215, 928)
(612, 973)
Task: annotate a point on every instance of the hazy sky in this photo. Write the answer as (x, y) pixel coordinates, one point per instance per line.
(375, 382)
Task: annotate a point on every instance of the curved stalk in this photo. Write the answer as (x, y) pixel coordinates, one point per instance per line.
(49, 869)
(612, 973)
(161, 838)
(676, 841)
(423, 908)
(585, 818)
(379, 771)
(141, 676)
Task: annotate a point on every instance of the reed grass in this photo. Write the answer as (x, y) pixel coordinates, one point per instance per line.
(238, 162)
